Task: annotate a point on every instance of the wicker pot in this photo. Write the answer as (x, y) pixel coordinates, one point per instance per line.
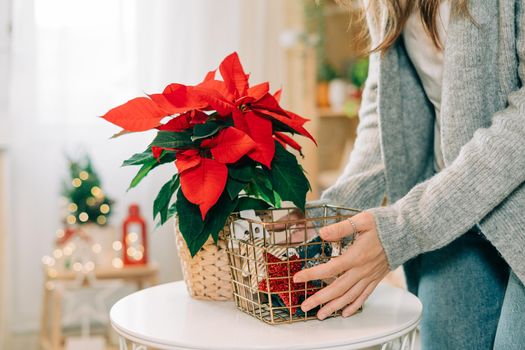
(207, 274)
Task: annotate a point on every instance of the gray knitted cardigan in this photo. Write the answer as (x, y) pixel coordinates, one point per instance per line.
(483, 141)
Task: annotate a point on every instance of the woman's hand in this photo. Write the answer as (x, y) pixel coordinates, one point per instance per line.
(360, 268)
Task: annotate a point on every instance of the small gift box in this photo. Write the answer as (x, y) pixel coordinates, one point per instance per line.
(266, 251)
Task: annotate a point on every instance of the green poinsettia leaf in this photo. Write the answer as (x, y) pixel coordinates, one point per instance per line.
(287, 177)
(278, 201)
(261, 187)
(167, 157)
(263, 179)
(148, 165)
(279, 126)
(169, 139)
(218, 215)
(143, 172)
(139, 158)
(241, 172)
(147, 156)
(190, 224)
(210, 128)
(172, 210)
(234, 187)
(246, 203)
(162, 202)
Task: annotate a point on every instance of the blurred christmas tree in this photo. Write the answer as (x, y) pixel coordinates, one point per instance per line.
(87, 203)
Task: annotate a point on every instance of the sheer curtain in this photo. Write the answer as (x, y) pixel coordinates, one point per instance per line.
(71, 61)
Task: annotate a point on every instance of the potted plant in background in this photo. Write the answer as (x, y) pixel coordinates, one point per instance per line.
(228, 142)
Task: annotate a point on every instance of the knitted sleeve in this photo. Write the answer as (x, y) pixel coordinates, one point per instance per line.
(488, 169)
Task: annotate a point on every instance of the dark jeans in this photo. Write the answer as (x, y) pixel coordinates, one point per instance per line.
(469, 300)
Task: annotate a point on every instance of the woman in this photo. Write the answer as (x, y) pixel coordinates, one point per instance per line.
(442, 135)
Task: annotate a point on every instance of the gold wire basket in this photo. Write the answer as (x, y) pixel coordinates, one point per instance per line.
(265, 252)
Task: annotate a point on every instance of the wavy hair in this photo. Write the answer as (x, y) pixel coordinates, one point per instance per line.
(398, 11)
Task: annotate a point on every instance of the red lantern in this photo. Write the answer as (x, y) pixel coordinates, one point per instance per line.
(134, 240)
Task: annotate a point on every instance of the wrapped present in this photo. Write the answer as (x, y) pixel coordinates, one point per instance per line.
(253, 265)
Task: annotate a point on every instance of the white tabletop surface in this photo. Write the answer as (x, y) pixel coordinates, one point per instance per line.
(166, 317)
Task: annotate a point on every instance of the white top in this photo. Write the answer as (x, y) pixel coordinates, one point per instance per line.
(166, 317)
(428, 61)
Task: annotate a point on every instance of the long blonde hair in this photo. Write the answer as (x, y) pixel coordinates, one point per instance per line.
(398, 12)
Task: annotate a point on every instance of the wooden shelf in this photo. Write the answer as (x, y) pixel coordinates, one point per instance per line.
(327, 112)
(334, 130)
(127, 272)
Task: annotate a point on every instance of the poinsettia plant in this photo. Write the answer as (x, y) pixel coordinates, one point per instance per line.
(228, 141)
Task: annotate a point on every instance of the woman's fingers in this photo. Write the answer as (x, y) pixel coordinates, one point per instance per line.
(345, 299)
(336, 232)
(357, 303)
(330, 292)
(361, 222)
(332, 268)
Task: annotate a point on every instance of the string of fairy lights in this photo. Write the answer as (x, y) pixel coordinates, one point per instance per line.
(84, 244)
(70, 256)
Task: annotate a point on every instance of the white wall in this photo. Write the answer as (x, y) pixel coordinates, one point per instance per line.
(4, 55)
(177, 40)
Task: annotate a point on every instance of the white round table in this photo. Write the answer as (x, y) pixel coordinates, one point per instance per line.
(166, 317)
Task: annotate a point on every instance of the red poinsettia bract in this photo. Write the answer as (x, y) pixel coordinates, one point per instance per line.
(254, 117)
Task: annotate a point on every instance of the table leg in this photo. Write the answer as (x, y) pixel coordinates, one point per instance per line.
(44, 320)
(413, 339)
(407, 342)
(56, 323)
(139, 347)
(123, 345)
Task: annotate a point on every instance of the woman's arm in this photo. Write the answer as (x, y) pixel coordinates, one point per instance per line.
(487, 170)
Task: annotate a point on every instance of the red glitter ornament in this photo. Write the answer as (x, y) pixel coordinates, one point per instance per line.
(280, 279)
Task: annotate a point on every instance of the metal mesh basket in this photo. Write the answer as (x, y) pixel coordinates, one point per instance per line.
(265, 252)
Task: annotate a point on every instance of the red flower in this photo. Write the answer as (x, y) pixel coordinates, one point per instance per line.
(203, 179)
(254, 109)
(254, 113)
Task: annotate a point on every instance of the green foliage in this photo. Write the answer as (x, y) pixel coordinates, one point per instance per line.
(326, 72)
(87, 202)
(162, 202)
(287, 177)
(148, 163)
(168, 139)
(190, 223)
(217, 216)
(139, 158)
(246, 203)
(208, 129)
(234, 187)
(249, 186)
(143, 172)
(359, 72)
